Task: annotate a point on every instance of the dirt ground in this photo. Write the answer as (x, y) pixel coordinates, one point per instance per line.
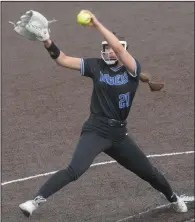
(44, 107)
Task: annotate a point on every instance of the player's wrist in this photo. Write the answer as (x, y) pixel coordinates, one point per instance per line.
(47, 43)
(53, 50)
(96, 23)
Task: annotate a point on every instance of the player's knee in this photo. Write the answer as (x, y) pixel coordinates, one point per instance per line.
(74, 173)
(151, 175)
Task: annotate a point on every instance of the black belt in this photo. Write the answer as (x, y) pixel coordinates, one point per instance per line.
(110, 122)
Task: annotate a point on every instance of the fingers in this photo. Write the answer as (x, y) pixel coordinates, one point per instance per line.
(24, 18)
(89, 12)
(20, 23)
(29, 13)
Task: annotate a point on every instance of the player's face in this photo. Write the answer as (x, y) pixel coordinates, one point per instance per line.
(109, 51)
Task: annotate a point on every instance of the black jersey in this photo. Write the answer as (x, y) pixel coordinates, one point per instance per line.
(113, 88)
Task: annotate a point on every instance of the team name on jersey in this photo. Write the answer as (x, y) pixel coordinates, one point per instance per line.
(119, 79)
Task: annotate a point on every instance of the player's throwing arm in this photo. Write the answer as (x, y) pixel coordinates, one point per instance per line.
(34, 26)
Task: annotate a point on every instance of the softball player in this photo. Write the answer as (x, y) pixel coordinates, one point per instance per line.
(115, 79)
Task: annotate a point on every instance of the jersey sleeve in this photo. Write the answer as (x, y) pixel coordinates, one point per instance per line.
(89, 67)
(137, 71)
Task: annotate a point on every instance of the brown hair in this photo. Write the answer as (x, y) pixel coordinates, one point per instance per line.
(121, 38)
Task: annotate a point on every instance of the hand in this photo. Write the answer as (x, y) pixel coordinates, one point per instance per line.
(94, 21)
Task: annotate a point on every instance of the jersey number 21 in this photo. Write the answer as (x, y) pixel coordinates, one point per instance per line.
(124, 100)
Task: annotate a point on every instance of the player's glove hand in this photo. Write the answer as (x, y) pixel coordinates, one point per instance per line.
(33, 25)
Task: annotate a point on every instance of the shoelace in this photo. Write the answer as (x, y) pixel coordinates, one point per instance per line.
(40, 199)
(174, 198)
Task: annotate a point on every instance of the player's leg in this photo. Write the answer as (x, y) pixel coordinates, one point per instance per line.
(86, 151)
(129, 155)
(88, 147)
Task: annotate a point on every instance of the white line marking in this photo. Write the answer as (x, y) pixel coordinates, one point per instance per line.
(144, 212)
(93, 165)
(189, 220)
(185, 198)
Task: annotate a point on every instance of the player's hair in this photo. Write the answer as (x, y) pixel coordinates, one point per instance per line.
(121, 38)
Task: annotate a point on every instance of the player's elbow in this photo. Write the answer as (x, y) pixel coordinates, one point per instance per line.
(63, 60)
